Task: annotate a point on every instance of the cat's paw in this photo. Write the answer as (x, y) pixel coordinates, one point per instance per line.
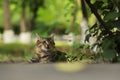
(33, 61)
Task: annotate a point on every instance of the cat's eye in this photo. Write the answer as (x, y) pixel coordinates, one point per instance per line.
(52, 42)
(45, 42)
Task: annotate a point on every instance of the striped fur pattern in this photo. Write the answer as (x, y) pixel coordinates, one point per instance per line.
(46, 52)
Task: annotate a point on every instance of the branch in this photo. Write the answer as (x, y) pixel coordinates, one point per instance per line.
(94, 10)
(84, 11)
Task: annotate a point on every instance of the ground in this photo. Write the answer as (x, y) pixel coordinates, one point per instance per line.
(25, 71)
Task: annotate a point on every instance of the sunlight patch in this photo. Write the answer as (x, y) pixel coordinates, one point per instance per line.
(69, 67)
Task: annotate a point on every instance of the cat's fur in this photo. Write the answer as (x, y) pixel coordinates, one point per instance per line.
(46, 52)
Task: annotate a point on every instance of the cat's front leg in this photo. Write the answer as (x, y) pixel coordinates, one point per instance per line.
(35, 59)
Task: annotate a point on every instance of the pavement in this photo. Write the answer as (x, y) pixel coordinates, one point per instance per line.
(25, 71)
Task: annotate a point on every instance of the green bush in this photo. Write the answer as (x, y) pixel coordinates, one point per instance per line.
(107, 30)
(80, 52)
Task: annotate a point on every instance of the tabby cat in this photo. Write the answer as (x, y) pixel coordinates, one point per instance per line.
(46, 52)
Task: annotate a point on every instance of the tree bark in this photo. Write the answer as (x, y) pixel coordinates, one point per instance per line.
(23, 27)
(8, 35)
(84, 22)
(25, 34)
(7, 23)
(34, 6)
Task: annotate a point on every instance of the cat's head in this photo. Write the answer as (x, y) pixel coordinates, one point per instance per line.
(45, 44)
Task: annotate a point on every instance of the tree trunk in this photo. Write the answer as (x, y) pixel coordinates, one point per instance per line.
(25, 35)
(34, 6)
(84, 22)
(23, 18)
(33, 9)
(7, 23)
(8, 35)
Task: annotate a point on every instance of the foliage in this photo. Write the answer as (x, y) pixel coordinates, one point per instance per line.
(49, 12)
(107, 30)
(58, 16)
(80, 52)
(56, 27)
(72, 9)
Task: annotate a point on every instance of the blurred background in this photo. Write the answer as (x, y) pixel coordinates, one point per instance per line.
(67, 19)
(21, 20)
(25, 18)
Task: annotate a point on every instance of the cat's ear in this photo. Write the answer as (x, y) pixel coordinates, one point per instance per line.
(38, 37)
(52, 36)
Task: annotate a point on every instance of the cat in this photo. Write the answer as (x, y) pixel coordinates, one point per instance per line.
(46, 52)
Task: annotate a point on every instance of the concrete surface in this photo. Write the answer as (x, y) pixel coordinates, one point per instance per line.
(25, 71)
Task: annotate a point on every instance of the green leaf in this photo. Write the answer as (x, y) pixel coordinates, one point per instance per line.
(76, 24)
(108, 44)
(114, 24)
(108, 47)
(71, 0)
(87, 37)
(98, 4)
(109, 53)
(67, 5)
(111, 16)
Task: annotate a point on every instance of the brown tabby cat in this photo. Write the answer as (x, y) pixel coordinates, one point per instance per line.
(46, 51)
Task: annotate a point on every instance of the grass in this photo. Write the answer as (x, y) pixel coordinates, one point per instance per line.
(15, 51)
